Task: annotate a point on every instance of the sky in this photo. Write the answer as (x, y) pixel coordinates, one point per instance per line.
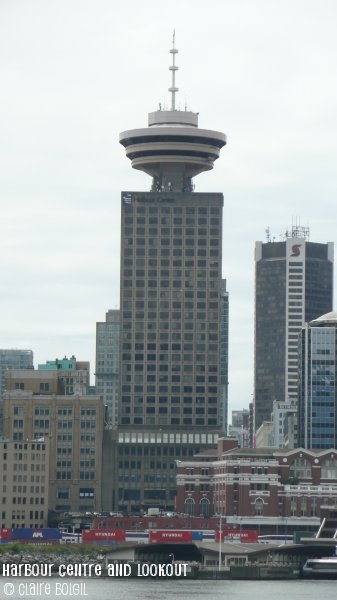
(75, 73)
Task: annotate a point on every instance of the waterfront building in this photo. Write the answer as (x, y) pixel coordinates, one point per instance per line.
(262, 488)
(34, 409)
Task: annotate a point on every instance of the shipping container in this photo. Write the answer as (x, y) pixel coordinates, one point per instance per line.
(103, 535)
(198, 535)
(168, 536)
(5, 536)
(237, 535)
(35, 535)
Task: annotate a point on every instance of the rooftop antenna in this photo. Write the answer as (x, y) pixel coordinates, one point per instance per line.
(173, 89)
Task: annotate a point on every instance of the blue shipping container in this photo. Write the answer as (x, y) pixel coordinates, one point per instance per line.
(197, 535)
(35, 535)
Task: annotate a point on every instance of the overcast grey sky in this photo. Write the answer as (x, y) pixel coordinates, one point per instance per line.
(74, 73)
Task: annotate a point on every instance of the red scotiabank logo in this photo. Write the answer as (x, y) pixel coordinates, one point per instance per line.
(295, 249)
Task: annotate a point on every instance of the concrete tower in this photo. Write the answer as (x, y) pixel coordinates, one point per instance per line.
(171, 302)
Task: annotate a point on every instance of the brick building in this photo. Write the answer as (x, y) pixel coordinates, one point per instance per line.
(259, 487)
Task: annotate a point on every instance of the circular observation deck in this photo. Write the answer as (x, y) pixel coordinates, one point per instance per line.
(172, 144)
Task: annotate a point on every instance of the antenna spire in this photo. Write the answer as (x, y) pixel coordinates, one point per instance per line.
(173, 89)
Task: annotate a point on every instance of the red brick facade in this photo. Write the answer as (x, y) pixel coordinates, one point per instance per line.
(258, 483)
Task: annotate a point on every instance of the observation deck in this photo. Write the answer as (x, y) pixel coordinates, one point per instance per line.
(172, 149)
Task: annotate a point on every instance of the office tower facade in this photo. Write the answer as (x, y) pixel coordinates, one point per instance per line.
(171, 306)
(107, 363)
(293, 285)
(317, 401)
(170, 311)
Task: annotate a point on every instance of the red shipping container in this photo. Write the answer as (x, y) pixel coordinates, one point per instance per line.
(235, 535)
(5, 534)
(170, 536)
(103, 535)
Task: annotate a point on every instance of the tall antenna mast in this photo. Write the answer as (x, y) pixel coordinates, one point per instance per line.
(173, 89)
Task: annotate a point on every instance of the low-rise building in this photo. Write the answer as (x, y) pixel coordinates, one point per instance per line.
(259, 486)
(74, 426)
(24, 483)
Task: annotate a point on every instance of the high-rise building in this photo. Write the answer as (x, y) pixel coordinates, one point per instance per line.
(293, 285)
(172, 376)
(317, 401)
(107, 363)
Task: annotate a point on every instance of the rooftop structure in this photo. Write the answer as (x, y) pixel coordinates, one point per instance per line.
(172, 149)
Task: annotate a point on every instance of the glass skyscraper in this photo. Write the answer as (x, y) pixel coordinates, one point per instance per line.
(317, 410)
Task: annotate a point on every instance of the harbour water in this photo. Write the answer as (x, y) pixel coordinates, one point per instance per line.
(162, 589)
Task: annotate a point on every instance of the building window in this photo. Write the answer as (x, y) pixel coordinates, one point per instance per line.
(293, 506)
(300, 469)
(258, 506)
(329, 469)
(87, 492)
(63, 493)
(189, 506)
(204, 507)
(303, 507)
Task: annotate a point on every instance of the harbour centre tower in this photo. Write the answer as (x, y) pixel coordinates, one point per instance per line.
(172, 297)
